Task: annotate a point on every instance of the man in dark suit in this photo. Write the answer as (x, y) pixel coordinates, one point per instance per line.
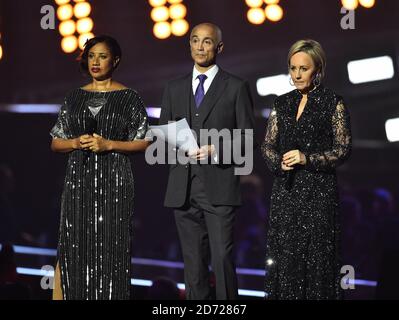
(205, 193)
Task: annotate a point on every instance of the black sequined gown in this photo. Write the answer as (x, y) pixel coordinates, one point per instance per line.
(303, 258)
(97, 201)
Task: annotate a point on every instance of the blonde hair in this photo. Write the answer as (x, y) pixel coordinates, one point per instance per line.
(314, 50)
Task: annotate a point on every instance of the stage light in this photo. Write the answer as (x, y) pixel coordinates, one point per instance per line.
(179, 27)
(157, 3)
(69, 44)
(1, 48)
(82, 10)
(256, 16)
(274, 85)
(65, 12)
(274, 12)
(372, 69)
(392, 129)
(61, 2)
(159, 14)
(367, 3)
(67, 28)
(75, 24)
(162, 30)
(177, 11)
(258, 13)
(254, 3)
(350, 4)
(83, 39)
(84, 25)
(168, 17)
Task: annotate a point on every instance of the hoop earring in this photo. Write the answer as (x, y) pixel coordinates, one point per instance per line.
(291, 82)
(317, 80)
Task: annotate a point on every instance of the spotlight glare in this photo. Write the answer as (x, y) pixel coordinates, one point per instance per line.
(175, 1)
(180, 27)
(271, 1)
(254, 3)
(256, 16)
(83, 38)
(69, 44)
(82, 10)
(367, 3)
(67, 28)
(371, 69)
(392, 129)
(61, 2)
(159, 14)
(274, 85)
(177, 11)
(162, 30)
(85, 25)
(350, 4)
(1, 52)
(274, 12)
(65, 12)
(157, 3)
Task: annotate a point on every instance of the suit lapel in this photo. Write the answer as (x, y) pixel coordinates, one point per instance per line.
(215, 91)
(186, 96)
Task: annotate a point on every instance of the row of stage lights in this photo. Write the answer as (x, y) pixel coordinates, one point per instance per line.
(354, 4)
(75, 23)
(169, 18)
(261, 10)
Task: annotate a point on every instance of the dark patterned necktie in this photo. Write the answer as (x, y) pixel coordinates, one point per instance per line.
(200, 92)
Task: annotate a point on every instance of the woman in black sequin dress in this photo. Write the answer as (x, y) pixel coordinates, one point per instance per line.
(308, 136)
(98, 125)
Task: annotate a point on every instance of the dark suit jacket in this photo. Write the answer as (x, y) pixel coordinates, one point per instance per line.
(226, 105)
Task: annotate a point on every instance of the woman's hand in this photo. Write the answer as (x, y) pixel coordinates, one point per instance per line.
(95, 143)
(82, 141)
(285, 168)
(293, 157)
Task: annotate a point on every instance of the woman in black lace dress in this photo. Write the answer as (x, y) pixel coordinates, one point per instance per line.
(308, 136)
(98, 125)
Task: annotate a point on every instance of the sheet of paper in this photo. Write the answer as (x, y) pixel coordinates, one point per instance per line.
(177, 134)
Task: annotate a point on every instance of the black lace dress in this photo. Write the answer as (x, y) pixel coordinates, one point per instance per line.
(97, 202)
(303, 258)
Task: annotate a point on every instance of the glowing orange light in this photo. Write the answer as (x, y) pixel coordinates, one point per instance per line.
(256, 16)
(162, 30)
(69, 44)
(274, 12)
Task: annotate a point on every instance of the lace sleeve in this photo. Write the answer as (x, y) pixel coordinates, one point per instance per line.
(270, 148)
(342, 144)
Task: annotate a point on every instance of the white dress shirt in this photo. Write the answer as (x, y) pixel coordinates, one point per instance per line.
(211, 74)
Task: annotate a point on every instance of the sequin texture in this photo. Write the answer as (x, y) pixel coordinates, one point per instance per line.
(94, 248)
(304, 228)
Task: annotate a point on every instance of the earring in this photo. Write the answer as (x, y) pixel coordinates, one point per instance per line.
(317, 80)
